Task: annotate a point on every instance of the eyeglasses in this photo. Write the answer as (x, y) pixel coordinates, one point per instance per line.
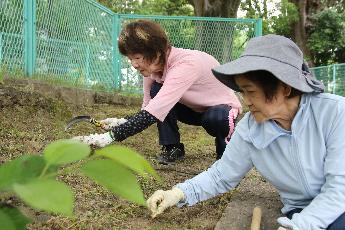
(136, 60)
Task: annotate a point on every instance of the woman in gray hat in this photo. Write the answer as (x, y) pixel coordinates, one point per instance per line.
(293, 135)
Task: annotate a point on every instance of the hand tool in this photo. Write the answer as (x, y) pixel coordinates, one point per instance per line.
(82, 118)
(256, 219)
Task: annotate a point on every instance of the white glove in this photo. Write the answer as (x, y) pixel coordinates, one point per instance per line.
(287, 223)
(96, 140)
(109, 123)
(161, 200)
(282, 228)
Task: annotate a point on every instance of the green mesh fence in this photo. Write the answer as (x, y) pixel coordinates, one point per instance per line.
(333, 77)
(225, 39)
(74, 42)
(11, 35)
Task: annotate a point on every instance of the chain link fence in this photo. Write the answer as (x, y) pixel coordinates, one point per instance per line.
(333, 77)
(74, 42)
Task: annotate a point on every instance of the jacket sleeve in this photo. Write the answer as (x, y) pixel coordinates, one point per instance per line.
(329, 204)
(134, 124)
(222, 176)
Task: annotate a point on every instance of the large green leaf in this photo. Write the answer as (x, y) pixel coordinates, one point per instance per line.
(6, 221)
(20, 170)
(16, 218)
(65, 151)
(47, 195)
(128, 158)
(116, 178)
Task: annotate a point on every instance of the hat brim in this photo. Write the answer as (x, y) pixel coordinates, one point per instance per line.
(284, 72)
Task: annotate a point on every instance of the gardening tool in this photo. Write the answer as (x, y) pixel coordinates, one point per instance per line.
(83, 118)
(256, 219)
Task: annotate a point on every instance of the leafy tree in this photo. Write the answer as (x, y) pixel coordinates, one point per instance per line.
(150, 7)
(281, 23)
(257, 9)
(327, 38)
(271, 21)
(165, 7)
(315, 25)
(32, 178)
(120, 6)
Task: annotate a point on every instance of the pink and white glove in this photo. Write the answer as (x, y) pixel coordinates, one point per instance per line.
(96, 140)
(109, 123)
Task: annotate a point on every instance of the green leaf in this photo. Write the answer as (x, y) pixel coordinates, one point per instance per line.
(6, 222)
(16, 217)
(65, 151)
(116, 178)
(47, 195)
(20, 170)
(128, 158)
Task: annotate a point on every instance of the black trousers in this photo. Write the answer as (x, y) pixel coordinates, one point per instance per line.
(338, 224)
(215, 121)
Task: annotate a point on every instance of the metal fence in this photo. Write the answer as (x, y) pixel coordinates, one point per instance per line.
(74, 42)
(333, 77)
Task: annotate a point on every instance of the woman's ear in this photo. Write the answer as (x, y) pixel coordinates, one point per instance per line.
(157, 58)
(286, 89)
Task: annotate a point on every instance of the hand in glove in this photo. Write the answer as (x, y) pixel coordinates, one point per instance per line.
(282, 228)
(96, 140)
(161, 200)
(109, 123)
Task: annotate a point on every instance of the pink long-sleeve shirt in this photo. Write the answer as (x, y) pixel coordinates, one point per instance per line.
(187, 78)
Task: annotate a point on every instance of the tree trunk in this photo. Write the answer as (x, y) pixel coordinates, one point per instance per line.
(216, 8)
(205, 33)
(300, 29)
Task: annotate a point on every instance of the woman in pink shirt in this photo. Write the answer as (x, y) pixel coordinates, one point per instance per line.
(178, 86)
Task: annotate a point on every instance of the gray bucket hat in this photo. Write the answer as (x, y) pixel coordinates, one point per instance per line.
(275, 54)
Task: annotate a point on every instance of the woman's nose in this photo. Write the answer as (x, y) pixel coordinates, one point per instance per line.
(134, 63)
(246, 101)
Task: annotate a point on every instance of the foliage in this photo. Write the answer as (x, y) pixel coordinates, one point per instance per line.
(255, 9)
(33, 177)
(150, 7)
(272, 22)
(327, 38)
(166, 7)
(120, 6)
(281, 23)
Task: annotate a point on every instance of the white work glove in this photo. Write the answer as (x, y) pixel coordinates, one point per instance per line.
(161, 200)
(286, 223)
(109, 123)
(96, 140)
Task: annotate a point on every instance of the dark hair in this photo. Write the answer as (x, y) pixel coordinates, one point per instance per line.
(269, 83)
(144, 37)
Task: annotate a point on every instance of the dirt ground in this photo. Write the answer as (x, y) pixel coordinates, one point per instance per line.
(30, 121)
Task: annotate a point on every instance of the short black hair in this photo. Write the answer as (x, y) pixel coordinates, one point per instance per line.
(269, 83)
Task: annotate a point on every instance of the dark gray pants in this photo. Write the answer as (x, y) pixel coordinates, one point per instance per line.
(215, 121)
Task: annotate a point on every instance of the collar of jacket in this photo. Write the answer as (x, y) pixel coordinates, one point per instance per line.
(263, 134)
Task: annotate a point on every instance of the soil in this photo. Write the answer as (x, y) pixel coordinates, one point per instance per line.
(29, 121)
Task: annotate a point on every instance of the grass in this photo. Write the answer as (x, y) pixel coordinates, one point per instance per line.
(29, 122)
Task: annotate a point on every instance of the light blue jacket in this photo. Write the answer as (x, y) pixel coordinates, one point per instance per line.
(306, 164)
